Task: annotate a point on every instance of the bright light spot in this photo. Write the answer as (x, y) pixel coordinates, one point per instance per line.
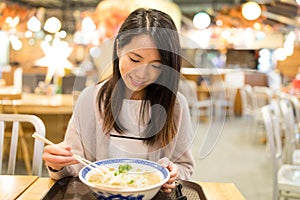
(16, 45)
(219, 22)
(264, 61)
(251, 10)
(61, 34)
(8, 20)
(15, 21)
(28, 34)
(264, 53)
(288, 48)
(55, 57)
(257, 26)
(226, 34)
(201, 20)
(280, 54)
(260, 35)
(34, 24)
(95, 52)
(289, 44)
(88, 25)
(52, 25)
(48, 38)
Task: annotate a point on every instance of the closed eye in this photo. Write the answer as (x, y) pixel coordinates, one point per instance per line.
(133, 60)
(157, 66)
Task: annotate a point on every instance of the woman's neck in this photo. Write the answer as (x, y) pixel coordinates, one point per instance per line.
(134, 95)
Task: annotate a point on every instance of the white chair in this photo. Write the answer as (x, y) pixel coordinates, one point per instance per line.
(261, 96)
(198, 108)
(223, 96)
(286, 179)
(296, 112)
(292, 154)
(246, 97)
(16, 119)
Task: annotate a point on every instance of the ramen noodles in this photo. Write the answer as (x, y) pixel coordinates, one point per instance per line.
(125, 177)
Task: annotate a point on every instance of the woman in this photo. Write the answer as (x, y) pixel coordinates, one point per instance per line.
(137, 112)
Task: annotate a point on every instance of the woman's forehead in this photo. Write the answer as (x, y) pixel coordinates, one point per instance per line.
(141, 42)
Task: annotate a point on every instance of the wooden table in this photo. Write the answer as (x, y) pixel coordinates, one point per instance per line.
(55, 111)
(213, 191)
(13, 186)
(221, 191)
(38, 189)
(38, 104)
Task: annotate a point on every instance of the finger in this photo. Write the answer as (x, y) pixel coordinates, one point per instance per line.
(58, 158)
(169, 186)
(64, 146)
(166, 190)
(55, 162)
(53, 149)
(165, 162)
(173, 170)
(172, 179)
(59, 165)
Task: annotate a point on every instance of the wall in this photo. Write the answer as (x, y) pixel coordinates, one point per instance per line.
(289, 67)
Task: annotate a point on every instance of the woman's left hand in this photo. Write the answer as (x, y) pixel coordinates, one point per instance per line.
(173, 169)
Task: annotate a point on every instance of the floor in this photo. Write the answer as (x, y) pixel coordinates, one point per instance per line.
(238, 156)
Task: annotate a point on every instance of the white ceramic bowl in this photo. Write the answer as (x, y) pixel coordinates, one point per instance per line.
(144, 193)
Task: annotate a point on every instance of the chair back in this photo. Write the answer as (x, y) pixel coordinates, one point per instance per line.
(189, 89)
(295, 104)
(288, 120)
(198, 108)
(223, 96)
(261, 96)
(273, 129)
(246, 97)
(16, 119)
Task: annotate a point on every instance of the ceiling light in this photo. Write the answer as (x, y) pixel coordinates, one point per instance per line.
(251, 10)
(34, 24)
(52, 25)
(201, 20)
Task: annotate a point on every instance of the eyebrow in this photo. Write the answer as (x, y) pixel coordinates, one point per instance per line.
(138, 55)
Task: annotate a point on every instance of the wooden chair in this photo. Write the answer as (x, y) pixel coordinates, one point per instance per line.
(16, 119)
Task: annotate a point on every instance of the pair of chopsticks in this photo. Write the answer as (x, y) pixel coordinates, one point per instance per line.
(99, 169)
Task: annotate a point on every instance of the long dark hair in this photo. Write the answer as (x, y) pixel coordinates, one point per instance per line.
(162, 125)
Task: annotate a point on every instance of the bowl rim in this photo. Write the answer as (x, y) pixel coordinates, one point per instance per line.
(122, 189)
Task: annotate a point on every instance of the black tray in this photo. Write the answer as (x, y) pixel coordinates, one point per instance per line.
(72, 188)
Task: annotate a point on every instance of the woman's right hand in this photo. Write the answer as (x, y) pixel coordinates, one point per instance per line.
(58, 156)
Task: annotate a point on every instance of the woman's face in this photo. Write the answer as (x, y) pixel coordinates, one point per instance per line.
(139, 65)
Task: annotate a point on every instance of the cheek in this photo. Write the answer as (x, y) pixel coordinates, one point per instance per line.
(123, 66)
(155, 74)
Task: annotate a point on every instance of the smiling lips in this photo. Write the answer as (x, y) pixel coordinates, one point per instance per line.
(136, 83)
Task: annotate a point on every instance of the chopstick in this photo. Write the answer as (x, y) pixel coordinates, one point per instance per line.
(89, 164)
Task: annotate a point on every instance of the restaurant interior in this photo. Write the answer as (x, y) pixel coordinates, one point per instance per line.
(240, 76)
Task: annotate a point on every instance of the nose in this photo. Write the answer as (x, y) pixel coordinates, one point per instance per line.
(141, 71)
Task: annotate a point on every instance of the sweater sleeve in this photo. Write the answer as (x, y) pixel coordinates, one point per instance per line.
(73, 136)
(182, 154)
